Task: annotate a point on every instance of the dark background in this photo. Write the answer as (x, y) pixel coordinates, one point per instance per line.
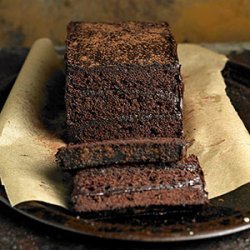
(23, 21)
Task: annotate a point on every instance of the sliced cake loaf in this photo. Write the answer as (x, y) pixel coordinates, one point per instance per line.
(124, 119)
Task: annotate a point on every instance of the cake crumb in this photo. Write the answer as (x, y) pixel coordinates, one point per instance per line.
(246, 219)
(78, 217)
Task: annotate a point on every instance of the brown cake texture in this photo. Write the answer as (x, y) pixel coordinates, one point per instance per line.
(123, 81)
(124, 120)
(91, 154)
(139, 185)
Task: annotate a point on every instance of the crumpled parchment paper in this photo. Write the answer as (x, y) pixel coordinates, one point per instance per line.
(215, 131)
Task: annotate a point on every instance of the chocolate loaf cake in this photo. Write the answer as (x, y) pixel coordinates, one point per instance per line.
(123, 81)
(139, 185)
(123, 101)
(124, 151)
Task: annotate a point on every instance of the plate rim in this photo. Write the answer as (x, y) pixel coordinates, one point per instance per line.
(129, 238)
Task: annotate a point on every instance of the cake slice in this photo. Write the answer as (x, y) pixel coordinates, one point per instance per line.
(124, 151)
(139, 185)
(123, 81)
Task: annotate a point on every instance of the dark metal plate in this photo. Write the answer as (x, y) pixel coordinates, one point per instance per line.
(225, 215)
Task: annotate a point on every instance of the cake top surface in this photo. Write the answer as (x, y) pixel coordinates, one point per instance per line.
(95, 44)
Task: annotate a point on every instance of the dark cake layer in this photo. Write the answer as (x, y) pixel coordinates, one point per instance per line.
(125, 151)
(125, 127)
(116, 75)
(139, 185)
(125, 90)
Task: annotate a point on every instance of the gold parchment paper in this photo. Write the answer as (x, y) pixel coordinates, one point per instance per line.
(217, 135)
(27, 166)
